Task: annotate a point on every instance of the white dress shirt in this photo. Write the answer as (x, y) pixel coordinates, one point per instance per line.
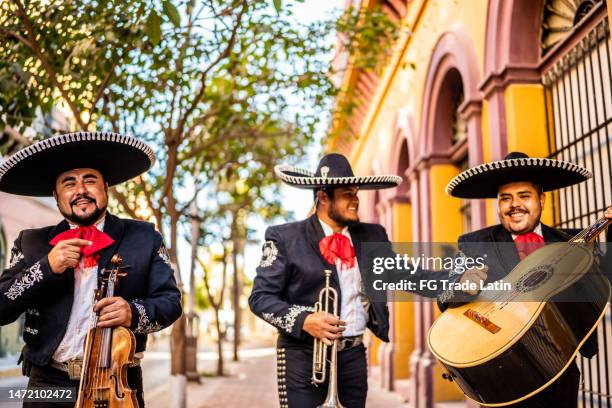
(352, 310)
(85, 283)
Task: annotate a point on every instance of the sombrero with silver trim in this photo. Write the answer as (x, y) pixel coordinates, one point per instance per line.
(32, 171)
(483, 181)
(333, 170)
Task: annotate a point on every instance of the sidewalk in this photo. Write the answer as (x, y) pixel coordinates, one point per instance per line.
(250, 383)
(9, 367)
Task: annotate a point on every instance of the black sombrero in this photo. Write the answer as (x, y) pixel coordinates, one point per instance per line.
(333, 170)
(484, 180)
(32, 171)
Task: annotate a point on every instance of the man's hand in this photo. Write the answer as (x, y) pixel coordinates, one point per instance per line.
(66, 254)
(473, 276)
(114, 311)
(608, 213)
(324, 326)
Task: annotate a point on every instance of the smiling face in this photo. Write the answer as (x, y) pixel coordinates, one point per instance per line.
(81, 195)
(520, 206)
(342, 208)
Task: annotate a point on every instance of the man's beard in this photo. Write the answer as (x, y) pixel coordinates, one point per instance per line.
(87, 219)
(338, 218)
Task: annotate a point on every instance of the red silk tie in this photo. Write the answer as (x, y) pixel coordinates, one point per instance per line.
(338, 247)
(527, 243)
(98, 238)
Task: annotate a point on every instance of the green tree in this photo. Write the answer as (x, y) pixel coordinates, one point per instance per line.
(210, 84)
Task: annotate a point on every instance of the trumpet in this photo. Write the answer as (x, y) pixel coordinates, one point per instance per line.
(319, 356)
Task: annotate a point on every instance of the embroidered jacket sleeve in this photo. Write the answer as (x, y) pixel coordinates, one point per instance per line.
(162, 305)
(23, 283)
(267, 298)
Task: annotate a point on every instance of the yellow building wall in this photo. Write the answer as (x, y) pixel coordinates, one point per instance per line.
(373, 349)
(402, 82)
(526, 127)
(446, 227)
(445, 218)
(404, 310)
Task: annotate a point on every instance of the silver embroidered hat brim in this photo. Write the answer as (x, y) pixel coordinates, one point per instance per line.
(32, 170)
(483, 181)
(305, 179)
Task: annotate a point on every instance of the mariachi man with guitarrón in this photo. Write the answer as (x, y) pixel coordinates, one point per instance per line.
(54, 271)
(518, 183)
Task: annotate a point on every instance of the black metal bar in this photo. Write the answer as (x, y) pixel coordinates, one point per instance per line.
(587, 131)
(560, 85)
(575, 189)
(567, 155)
(609, 142)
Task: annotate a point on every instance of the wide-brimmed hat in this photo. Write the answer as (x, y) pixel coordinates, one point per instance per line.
(484, 181)
(32, 171)
(333, 170)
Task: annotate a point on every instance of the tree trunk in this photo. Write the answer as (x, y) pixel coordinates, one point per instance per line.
(236, 287)
(177, 342)
(219, 344)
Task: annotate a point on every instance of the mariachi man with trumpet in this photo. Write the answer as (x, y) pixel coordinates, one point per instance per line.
(519, 183)
(91, 267)
(310, 285)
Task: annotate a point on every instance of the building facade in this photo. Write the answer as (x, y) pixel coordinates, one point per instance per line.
(468, 82)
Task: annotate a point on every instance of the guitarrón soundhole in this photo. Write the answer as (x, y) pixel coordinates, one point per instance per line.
(535, 278)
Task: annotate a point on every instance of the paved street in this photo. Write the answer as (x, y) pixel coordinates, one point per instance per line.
(249, 383)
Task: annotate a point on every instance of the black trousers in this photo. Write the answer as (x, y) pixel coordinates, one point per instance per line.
(294, 364)
(563, 393)
(47, 376)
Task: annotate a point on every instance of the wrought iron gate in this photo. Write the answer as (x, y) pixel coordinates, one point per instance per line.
(578, 90)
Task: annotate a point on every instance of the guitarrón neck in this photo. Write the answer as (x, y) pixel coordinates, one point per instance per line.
(590, 233)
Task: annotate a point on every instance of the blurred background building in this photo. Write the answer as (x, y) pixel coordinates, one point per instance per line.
(468, 82)
(16, 214)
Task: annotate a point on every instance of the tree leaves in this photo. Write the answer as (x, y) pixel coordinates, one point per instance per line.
(153, 27)
(278, 5)
(171, 11)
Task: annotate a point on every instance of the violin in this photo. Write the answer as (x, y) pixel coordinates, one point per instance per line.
(107, 354)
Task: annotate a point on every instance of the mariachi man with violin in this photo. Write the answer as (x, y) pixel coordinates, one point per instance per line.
(302, 262)
(89, 278)
(518, 183)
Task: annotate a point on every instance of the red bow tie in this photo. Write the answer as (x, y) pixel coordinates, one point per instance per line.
(527, 243)
(98, 238)
(338, 247)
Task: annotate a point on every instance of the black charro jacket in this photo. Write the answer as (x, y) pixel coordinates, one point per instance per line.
(292, 273)
(29, 286)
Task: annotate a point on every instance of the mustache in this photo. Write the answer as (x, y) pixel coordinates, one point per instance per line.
(83, 197)
(513, 210)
